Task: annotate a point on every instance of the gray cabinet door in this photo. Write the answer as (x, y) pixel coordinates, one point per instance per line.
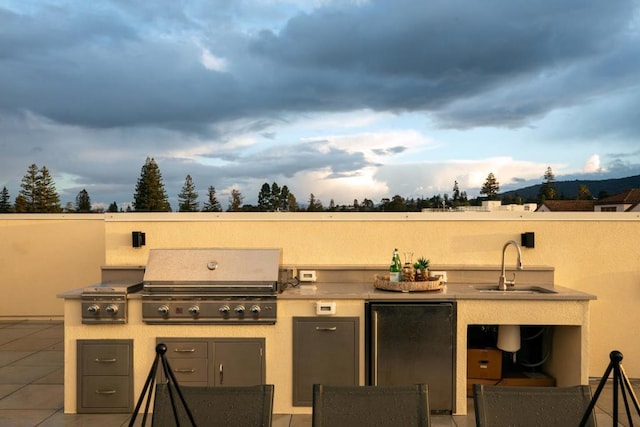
(216, 361)
(238, 362)
(325, 351)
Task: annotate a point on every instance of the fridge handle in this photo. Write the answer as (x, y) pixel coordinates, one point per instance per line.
(374, 346)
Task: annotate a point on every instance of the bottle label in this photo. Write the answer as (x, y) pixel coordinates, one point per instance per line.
(394, 276)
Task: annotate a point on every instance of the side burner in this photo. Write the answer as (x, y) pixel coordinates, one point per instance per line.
(106, 302)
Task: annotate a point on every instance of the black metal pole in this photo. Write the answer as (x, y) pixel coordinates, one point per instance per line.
(147, 383)
(621, 381)
(161, 349)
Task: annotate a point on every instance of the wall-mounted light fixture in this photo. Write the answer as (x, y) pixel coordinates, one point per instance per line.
(528, 239)
(137, 239)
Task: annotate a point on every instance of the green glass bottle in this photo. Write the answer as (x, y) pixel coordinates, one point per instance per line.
(395, 269)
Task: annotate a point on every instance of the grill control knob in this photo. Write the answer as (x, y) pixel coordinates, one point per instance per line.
(93, 309)
(112, 309)
(163, 310)
(225, 309)
(255, 309)
(239, 309)
(194, 311)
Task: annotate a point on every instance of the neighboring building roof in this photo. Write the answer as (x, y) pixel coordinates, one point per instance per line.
(566, 206)
(627, 201)
(629, 197)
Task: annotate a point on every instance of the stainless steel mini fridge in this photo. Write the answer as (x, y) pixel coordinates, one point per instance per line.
(413, 343)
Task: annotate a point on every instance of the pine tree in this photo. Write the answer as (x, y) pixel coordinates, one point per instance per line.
(314, 204)
(29, 188)
(287, 200)
(83, 201)
(491, 187)
(150, 195)
(275, 198)
(21, 205)
(456, 193)
(235, 201)
(548, 189)
(49, 201)
(113, 207)
(264, 198)
(5, 206)
(212, 204)
(291, 203)
(188, 197)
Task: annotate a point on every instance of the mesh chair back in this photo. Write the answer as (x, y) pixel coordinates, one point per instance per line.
(348, 406)
(246, 406)
(503, 406)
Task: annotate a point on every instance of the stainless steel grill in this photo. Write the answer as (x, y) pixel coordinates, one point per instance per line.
(235, 286)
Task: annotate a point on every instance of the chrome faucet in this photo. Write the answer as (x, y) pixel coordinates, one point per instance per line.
(503, 282)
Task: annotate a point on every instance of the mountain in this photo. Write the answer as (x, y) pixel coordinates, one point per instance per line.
(569, 189)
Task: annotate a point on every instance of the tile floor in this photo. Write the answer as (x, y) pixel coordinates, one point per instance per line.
(31, 385)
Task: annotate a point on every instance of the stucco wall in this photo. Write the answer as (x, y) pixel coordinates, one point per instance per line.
(593, 252)
(43, 255)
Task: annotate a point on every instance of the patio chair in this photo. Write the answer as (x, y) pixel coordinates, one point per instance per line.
(381, 406)
(503, 406)
(242, 406)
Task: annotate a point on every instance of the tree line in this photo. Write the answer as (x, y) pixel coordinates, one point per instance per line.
(38, 194)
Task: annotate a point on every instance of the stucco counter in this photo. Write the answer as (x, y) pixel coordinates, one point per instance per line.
(567, 310)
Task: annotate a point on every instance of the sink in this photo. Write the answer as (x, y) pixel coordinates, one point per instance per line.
(515, 290)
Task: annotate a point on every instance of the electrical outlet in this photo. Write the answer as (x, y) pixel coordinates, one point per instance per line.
(439, 273)
(307, 275)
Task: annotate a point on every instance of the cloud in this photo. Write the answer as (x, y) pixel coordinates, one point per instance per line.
(315, 95)
(439, 56)
(592, 164)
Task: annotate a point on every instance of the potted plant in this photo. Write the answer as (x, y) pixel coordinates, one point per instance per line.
(422, 267)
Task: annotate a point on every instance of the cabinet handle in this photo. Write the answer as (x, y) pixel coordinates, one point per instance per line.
(327, 328)
(184, 350)
(221, 373)
(105, 392)
(374, 345)
(184, 371)
(98, 360)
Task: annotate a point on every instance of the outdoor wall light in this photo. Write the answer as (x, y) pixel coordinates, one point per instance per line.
(137, 239)
(528, 239)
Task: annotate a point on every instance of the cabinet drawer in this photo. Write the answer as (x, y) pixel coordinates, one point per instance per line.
(105, 392)
(189, 370)
(186, 349)
(105, 359)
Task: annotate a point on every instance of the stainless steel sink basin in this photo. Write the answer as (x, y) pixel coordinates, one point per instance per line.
(515, 290)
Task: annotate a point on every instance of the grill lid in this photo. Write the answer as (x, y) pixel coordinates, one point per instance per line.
(212, 269)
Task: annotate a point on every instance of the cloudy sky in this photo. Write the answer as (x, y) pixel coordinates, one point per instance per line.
(345, 99)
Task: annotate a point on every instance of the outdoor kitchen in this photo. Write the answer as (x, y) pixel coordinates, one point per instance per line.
(235, 316)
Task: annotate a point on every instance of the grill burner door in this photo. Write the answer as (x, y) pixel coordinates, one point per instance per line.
(236, 286)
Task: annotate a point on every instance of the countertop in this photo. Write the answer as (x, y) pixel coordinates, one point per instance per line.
(367, 291)
(450, 291)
